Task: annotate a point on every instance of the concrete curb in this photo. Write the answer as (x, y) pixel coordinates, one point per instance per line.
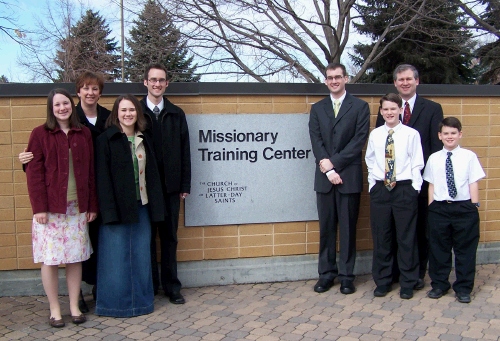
(224, 272)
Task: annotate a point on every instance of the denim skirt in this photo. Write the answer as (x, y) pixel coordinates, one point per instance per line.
(124, 282)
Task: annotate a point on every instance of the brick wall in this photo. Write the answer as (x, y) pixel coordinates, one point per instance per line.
(480, 117)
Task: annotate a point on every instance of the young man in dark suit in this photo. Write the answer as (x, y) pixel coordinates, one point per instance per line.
(424, 116)
(338, 127)
(168, 126)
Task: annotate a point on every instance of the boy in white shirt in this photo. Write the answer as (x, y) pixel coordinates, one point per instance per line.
(453, 218)
(394, 159)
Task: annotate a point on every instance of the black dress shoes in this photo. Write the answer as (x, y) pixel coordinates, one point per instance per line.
(463, 297)
(176, 298)
(323, 285)
(420, 284)
(382, 290)
(436, 293)
(406, 293)
(82, 305)
(347, 287)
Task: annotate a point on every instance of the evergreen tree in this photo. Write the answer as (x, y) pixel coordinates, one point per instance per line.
(436, 46)
(88, 48)
(489, 54)
(155, 39)
(4, 79)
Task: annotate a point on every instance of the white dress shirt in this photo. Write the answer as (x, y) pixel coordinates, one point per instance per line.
(409, 158)
(151, 105)
(411, 102)
(466, 170)
(340, 99)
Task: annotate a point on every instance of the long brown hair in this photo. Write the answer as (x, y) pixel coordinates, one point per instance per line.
(51, 122)
(140, 124)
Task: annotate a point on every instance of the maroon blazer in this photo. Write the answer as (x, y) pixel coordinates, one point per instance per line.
(47, 173)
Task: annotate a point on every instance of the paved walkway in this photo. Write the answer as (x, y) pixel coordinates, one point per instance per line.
(277, 311)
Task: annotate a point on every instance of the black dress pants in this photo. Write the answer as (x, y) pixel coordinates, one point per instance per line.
(335, 208)
(167, 231)
(89, 267)
(422, 236)
(399, 205)
(453, 225)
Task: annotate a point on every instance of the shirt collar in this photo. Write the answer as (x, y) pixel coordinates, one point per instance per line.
(395, 129)
(151, 105)
(411, 102)
(341, 99)
(456, 149)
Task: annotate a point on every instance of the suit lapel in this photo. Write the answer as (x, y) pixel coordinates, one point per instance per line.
(417, 110)
(328, 108)
(344, 108)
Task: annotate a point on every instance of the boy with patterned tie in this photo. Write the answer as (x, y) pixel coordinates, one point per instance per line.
(394, 159)
(453, 174)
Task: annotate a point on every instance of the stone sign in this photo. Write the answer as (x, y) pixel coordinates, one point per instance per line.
(250, 168)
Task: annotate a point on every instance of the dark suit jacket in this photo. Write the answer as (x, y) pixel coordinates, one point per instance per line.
(171, 140)
(425, 118)
(98, 128)
(341, 140)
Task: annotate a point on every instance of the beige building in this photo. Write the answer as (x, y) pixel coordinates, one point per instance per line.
(229, 254)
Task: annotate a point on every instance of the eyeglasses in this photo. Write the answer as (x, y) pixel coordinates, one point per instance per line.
(337, 78)
(156, 80)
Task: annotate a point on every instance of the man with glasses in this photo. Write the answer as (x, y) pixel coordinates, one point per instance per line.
(338, 127)
(168, 126)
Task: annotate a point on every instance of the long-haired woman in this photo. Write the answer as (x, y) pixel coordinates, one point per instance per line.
(130, 196)
(62, 192)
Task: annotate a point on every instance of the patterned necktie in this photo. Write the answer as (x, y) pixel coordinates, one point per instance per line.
(390, 162)
(407, 114)
(336, 107)
(156, 111)
(450, 178)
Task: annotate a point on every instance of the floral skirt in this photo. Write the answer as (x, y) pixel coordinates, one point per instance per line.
(64, 239)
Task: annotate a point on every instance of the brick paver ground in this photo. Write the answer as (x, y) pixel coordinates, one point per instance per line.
(277, 311)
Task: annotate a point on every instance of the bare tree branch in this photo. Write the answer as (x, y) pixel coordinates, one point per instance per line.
(272, 40)
(11, 29)
(37, 57)
(467, 7)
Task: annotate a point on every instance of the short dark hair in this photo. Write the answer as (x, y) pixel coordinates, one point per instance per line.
(154, 66)
(333, 66)
(392, 97)
(402, 68)
(51, 122)
(451, 122)
(140, 124)
(89, 78)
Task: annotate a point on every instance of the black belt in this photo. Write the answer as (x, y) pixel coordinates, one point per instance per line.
(402, 182)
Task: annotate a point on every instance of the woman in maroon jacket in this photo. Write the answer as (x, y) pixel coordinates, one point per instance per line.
(62, 192)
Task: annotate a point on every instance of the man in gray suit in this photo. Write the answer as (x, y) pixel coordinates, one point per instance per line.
(338, 127)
